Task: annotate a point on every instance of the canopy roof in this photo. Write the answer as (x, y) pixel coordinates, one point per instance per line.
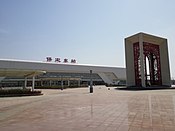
(19, 73)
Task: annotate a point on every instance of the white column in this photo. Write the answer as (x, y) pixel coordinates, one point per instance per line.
(142, 60)
(33, 83)
(25, 83)
(41, 82)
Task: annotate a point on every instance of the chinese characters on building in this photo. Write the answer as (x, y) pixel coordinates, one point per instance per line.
(49, 59)
(57, 60)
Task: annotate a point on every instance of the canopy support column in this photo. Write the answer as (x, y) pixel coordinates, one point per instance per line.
(33, 83)
(25, 83)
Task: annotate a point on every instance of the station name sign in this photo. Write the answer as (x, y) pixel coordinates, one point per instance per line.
(58, 60)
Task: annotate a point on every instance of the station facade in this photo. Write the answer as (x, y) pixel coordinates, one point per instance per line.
(147, 64)
(33, 73)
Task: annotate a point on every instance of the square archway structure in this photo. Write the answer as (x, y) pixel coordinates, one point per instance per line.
(147, 61)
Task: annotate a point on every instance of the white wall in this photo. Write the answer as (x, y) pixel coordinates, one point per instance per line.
(57, 67)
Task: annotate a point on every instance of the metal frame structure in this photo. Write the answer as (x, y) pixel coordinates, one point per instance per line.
(152, 53)
(147, 61)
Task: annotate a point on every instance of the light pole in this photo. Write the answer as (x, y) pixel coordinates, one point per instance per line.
(91, 83)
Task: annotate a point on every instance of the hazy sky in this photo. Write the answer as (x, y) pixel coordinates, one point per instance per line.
(91, 31)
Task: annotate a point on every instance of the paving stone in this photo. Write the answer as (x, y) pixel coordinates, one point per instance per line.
(77, 109)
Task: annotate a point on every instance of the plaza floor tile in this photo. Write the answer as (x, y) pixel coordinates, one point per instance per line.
(103, 110)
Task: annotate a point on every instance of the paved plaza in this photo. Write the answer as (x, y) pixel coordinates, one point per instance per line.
(78, 110)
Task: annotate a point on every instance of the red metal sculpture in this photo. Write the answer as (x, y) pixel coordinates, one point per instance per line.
(152, 53)
(137, 64)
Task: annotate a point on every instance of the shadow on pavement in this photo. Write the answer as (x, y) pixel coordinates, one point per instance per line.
(143, 88)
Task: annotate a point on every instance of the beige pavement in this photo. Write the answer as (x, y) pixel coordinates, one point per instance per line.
(78, 110)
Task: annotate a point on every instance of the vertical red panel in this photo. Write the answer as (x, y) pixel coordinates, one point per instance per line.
(137, 64)
(152, 52)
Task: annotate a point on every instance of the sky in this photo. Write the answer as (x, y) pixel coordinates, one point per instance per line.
(90, 31)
